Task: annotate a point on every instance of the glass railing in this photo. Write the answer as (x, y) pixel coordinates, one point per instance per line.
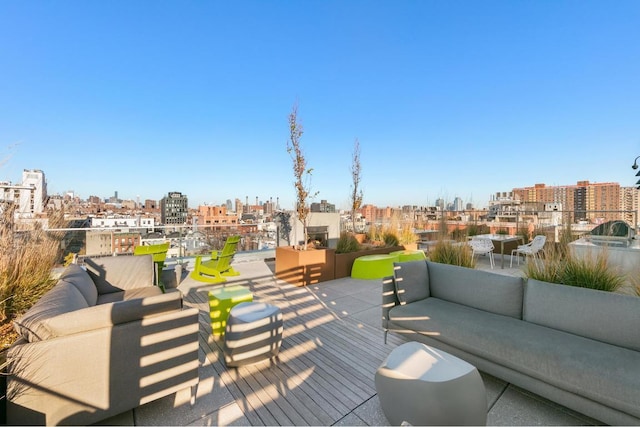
(185, 241)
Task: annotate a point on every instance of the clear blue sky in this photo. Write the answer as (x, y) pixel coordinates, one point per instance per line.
(447, 98)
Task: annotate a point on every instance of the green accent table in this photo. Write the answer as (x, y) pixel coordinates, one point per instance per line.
(221, 301)
(373, 266)
(408, 255)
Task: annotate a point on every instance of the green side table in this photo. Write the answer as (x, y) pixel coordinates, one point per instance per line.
(221, 301)
(373, 266)
(410, 255)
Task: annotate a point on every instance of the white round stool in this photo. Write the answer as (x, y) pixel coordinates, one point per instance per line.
(253, 333)
(421, 385)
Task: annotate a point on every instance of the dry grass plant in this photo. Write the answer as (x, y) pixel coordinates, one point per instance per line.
(407, 236)
(446, 252)
(347, 243)
(26, 261)
(559, 265)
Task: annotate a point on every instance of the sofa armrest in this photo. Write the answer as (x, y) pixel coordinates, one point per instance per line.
(111, 314)
(86, 377)
(389, 299)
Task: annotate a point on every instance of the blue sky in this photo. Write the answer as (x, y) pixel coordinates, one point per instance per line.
(447, 98)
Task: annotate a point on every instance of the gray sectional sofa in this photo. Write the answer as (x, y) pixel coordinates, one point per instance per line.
(577, 347)
(102, 341)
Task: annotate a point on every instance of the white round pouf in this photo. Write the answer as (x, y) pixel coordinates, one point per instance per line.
(253, 333)
(421, 385)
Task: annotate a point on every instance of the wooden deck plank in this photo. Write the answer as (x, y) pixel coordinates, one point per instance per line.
(324, 370)
(251, 413)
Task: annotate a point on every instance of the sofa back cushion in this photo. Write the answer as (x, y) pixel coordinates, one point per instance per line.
(115, 274)
(496, 293)
(62, 298)
(411, 281)
(78, 277)
(603, 316)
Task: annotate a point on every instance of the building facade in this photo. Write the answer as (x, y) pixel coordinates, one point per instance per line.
(30, 196)
(173, 209)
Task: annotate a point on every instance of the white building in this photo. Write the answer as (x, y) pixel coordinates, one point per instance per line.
(30, 196)
(123, 222)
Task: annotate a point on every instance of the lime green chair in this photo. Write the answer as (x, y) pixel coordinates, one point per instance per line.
(218, 267)
(159, 254)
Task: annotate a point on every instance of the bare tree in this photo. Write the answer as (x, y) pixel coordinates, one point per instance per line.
(301, 173)
(356, 192)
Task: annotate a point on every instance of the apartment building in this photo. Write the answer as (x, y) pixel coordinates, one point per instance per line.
(215, 215)
(174, 209)
(584, 201)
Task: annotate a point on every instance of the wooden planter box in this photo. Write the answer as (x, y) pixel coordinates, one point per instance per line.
(303, 268)
(344, 262)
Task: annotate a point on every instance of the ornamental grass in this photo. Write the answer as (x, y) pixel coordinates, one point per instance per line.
(26, 261)
(446, 252)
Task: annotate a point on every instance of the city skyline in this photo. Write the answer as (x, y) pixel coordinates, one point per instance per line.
(447, 99)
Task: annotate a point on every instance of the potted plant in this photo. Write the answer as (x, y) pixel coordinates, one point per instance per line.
(302, 265)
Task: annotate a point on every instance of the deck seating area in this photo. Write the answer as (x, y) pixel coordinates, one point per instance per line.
(324, 372)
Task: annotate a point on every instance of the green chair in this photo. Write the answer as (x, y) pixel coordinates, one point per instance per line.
(218, 267)
(159, 254)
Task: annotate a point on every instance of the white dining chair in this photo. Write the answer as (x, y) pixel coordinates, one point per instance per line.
(482, 247)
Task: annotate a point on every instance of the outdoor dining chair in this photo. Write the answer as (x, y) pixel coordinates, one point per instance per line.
(481, 246)
(530, 249)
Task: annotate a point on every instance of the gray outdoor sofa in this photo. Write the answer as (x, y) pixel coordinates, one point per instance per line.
(102, 341)
(577, 347)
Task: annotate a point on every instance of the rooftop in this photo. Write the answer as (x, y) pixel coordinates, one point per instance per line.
(324, 373)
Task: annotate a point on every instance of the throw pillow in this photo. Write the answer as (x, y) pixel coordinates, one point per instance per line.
(412, 281)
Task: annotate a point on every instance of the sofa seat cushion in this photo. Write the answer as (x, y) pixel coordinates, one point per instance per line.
(602, 372)
(62, 298)
(129, 294)
(79, 278)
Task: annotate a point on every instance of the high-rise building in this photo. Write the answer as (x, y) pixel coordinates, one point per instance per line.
(630, 204)
(173, 209)
(587, 201)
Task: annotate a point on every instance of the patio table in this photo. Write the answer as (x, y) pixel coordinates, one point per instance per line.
(221, 301)
(500, 239)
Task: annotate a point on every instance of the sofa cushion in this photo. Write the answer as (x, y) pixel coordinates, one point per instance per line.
(602, 372)
(78, 277)
(599, 315)
(114, 274)
(411, 281)
(130, 294)
(62, 298)
(496, 293)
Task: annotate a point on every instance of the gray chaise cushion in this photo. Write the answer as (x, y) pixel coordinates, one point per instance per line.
(146, 292)
(79, 278)
(603, 316)
(563, 360)
(62, 298)
(411, 280)
(495, 293)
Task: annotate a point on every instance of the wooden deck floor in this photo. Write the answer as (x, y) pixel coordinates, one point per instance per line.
(326, 365)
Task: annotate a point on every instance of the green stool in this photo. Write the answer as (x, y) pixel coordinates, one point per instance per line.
(221, 300)
(373, 266)
(410, 255)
